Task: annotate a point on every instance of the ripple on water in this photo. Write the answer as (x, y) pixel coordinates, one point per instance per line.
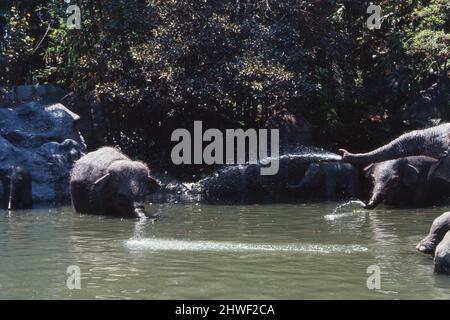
(188, 245)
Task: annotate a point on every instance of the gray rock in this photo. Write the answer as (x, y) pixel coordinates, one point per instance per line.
(442, 255)
(25, 93)
(43, 140)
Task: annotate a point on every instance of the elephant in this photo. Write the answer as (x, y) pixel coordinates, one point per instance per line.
(329, 181)
(433, 142)
(245, 182)
(17, 188)
(437, 243)
(403, 181)
(107, 182)
(439, 227)
(442, 255)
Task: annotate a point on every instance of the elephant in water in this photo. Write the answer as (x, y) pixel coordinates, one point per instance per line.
(437, 243)
(329, 181)
(17, 188)
(404, 181)
(433, 142)
(107, 182)
(319, 180)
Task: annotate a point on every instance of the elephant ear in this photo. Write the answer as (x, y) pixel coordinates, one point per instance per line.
(410, 174)
(369, 170)
(440, 170)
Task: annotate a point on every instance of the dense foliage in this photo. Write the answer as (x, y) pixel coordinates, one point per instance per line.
(160, 64)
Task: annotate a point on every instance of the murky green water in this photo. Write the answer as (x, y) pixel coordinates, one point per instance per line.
(204, 251)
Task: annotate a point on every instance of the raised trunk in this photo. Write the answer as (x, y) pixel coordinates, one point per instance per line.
(433, 142)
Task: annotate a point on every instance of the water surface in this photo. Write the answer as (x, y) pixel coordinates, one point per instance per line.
(204, 251)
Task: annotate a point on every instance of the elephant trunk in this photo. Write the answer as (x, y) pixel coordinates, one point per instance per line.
(375, 200)
(433, 142)
(372, 204)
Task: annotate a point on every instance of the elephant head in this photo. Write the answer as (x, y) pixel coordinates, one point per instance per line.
(397, 180)
(433, 142)
(124, 187)
(17, 192)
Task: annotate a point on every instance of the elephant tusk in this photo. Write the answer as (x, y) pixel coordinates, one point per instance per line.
(101, 179)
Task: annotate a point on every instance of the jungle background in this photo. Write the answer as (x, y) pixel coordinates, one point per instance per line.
(311, 66)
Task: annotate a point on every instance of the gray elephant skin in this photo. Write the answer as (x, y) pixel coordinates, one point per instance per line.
(106, 182)
(405, 182)
(17, 189)
(437, 243)
(433, 142)
(329, 181)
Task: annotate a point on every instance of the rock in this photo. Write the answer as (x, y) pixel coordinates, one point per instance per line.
(45, 93)
(294, 130)
(442, 255)
(43, 140)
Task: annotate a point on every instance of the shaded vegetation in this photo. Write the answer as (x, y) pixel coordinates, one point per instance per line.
(158, 65)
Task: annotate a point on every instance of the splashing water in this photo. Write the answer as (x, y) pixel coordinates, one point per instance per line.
(309, 156)
(335, 215)
(188, 245)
